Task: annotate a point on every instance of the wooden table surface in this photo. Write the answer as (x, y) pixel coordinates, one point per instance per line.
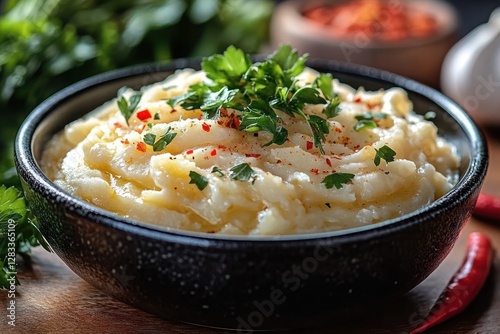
(52, 299)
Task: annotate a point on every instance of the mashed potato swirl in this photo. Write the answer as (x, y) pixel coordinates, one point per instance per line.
(105, 161)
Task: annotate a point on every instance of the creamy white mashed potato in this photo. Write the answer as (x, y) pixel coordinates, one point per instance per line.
(106, 162)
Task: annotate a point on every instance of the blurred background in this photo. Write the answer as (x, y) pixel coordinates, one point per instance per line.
(47, 45)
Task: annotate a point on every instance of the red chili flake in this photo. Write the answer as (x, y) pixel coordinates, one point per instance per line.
(173, 110)
(328, 162)
(143, 115)
(278, 161)
(199, 117)
(357, 100)
(309, 145)
(205, 127)
(222, 147)
(124, 141)
(189, 152)
(141, 146)
(236, 122)
(117, 124)
(213, 152)
(252, 155)
(315, 171)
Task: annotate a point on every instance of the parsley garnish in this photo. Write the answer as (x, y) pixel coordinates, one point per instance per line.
(128, 108)
(216, 170)
(18, 232)
(199, 180)
(162, 142)
(367, 120)
(156, 116)
(242, 172)
(337, 180)
(257, 90)
(386, 153)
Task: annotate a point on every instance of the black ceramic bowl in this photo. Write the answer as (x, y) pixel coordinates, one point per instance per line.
(241, 282)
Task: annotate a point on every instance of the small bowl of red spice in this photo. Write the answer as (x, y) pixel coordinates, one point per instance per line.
(407, 37)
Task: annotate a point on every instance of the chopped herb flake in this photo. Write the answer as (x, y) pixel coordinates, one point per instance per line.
(199, 180)
(337, 180)
(386, 153)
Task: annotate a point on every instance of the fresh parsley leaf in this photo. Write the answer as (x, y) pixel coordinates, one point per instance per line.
(337, 180)
(369, 116)
(332, 109)
(242, 172)
(386, 153)
(162, 142)
(216, 100)
(128, 108)
(199, 180)
(259, 116)
(319, 128)
(156, 116)
(324, 83)
(289, 61)
(149, 138)
(216, 170)
(367, 120)
(364, 124)
(226, 70)
(306, 95)
(17, 222)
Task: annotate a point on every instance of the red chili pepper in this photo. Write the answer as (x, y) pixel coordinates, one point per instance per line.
(143, 115)
(464, 285)
(213, 153)
(189, 152)
(487, 206)
(309, 145)
(328, 162)
(252, 155)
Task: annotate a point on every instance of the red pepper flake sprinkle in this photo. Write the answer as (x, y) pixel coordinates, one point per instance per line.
(252, 155)
(357, 100)
(124, 141)
(222, 147)
(117, 124)
(205, 127)
(213, 152)
(236, 122)
(328, 162)
(309, 145)
(173, 110)
(141, 146)
(189, 152)
(143, 115)
(278, 161)
(315, 171)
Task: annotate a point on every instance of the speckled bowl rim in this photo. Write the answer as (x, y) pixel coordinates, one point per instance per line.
(467, 185)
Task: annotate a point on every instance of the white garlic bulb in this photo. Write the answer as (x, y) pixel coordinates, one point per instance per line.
(471, 72)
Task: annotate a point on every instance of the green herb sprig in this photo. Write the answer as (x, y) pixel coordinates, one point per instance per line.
(18, 230)
(337, 180)
(386, 153)
(257, 91)
(368, 120)
(128, 108)
(162, 142)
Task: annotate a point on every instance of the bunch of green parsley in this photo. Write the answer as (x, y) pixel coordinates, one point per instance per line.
(47, 45)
